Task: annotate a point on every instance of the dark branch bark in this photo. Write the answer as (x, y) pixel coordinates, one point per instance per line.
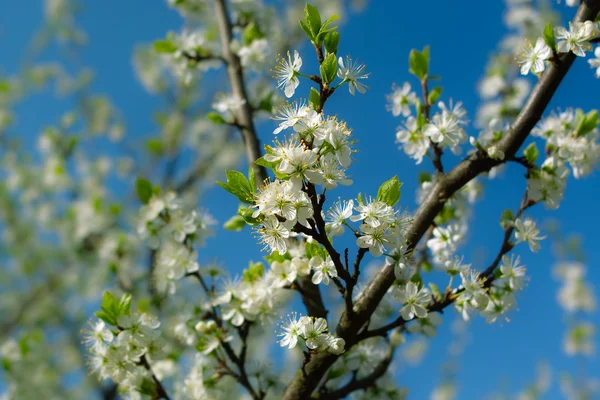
(307, 378)
(361, 383)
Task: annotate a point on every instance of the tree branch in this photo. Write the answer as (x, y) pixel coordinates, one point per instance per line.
(306, 379)
(362, 383)
(236, 80)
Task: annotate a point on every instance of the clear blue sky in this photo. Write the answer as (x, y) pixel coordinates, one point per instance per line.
(462, 35)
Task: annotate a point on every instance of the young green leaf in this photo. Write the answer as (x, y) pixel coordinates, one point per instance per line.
(306, 30)
(164, 46)
(313, 19)
(332, 39)
(418, 63)
(328, 68)
(246, 214)
(235, 223)
(252, 178)
(531, 153)
(434, 95)
(549, 37)
(215, 118)
(144, 190)
(506, 219)
(314, 98)
(588, 123)
(251, 33)
(389, 191)
(238, 185)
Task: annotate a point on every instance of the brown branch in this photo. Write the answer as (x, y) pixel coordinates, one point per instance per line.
(360, 383)
(306, 380)
(235, 73)
(160, 389)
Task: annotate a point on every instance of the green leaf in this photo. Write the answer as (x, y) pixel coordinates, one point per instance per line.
(424, 177)
(389, 191)
(418, 63)
(360, 199)
(531, 153)
(421, 120)
(332, 39)
(506, 218)
(246, 214)
(215, 118)
(144, 190)
(110, 307)
(313, 249)
(235, 223)
(328, 68)
(588, 123)
(125, 304)
(549, 37)
(314, 98)
(155, 146)
(106, 318)
(164, 46)
(148, 388)
(325, 30)
(254, 272)
(313, 19)
(252, 178)
(306, 30)
(434, 95)
(275, 256)
(264, 163)
(251, 32)
(238, 185)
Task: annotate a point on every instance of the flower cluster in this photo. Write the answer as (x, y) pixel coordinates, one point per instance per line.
(319, 155)
(122, 352)
(314, 333)
(171, 230)
(575, 293)
(572, 138)
(445, 128)
(494, 300)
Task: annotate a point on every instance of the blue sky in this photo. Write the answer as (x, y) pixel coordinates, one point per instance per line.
(462, 35)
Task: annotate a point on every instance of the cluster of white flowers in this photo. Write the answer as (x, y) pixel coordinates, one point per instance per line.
(28, 368)
(445, 128)
(255, 55)
(117, 352)
(349, 71)
(383, 229)
(575, 294)
(502, 91)
(314, 333)
(495, 300)
(188, 52)
(319, 154)
(256, 295)
(168, 228)
(571, 137)
(576, 39)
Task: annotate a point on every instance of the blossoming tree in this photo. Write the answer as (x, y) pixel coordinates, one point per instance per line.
(152, 336)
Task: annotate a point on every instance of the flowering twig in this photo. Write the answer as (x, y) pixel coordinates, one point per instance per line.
(305, 381)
